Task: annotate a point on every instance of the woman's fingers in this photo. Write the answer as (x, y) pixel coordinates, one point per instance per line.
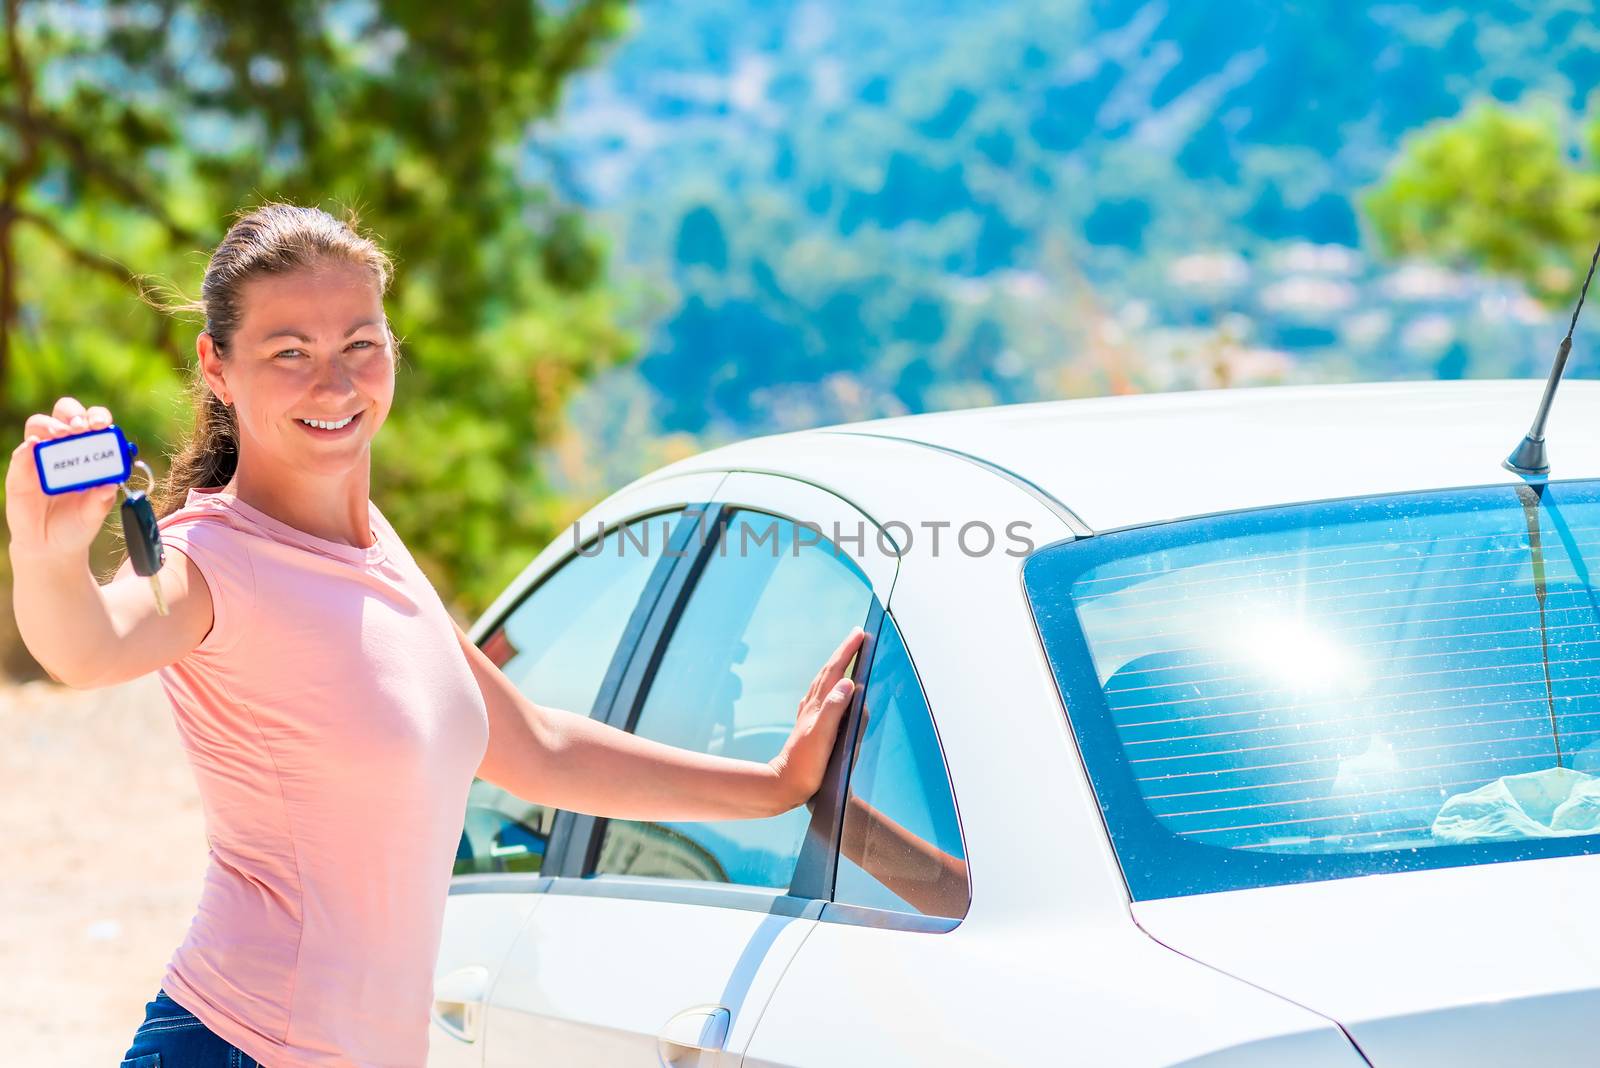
(67, 409)
(838, 697)
(20, 477)
(830, 684)
(68, 417)
(834, 669)
(45, 427)
(847, 648)
(804, 758)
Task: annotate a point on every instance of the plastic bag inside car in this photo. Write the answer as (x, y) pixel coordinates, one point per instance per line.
(1535, 804)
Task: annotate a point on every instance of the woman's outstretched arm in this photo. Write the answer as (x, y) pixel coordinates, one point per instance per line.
(558, 758)
(82, 633)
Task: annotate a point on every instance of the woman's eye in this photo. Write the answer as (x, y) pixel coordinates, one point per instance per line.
(368, 344)
(288, 352)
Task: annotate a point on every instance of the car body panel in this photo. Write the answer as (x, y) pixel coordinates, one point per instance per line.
(1127, 461)
(592, 981)
(610, 965)
(479, 929)
(483, 913)
(1027, 993)
(1464, 966)
(832, 514)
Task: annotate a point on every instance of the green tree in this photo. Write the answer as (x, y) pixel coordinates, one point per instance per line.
(1495, 189)
(130, 132)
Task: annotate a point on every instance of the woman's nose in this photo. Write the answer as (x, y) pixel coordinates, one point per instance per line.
(334, 378)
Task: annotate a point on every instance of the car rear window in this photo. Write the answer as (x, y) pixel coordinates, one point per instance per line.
(1335, 689)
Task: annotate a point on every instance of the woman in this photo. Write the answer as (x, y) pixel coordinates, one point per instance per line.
(333, 713)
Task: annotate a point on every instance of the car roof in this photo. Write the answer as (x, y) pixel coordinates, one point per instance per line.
(1133, 460)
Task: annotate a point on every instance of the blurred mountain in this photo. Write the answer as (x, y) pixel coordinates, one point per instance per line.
(828, 211)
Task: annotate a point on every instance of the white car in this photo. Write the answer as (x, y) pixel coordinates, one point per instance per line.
(1233, 728)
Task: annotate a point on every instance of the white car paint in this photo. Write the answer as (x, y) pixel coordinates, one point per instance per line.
(1051, 963)
(1457, 966)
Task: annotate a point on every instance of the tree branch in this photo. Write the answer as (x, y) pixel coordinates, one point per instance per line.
(87, 162)
(94, 261)
(80, 255)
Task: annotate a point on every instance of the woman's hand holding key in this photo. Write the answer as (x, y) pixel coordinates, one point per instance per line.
(60, 526)
(82, 632)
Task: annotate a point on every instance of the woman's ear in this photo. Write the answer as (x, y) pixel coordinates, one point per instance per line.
(211, 366)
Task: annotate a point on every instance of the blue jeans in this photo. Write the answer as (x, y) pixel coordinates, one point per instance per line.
(171, 1037)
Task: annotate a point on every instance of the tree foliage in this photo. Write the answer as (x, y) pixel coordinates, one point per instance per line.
(131, 131)
(1495, 189)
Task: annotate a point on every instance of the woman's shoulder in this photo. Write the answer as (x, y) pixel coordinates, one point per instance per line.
(216, 539)
(211, 506)
(381, 525)
(392, 545)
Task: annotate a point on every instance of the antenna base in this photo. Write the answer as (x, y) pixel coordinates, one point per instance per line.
(1528, 458)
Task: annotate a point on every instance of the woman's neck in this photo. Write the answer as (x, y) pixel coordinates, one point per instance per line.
(332, 508)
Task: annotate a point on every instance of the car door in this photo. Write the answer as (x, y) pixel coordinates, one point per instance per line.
(901, 887)
(561, 632)
(659, 943)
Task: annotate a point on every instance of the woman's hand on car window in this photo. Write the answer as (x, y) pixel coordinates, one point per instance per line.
(804, 759)
(60, 525)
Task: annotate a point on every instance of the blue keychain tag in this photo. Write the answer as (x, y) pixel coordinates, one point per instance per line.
(97, 458)
(94, 458)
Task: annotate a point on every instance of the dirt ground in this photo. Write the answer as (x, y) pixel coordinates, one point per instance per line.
(104, 851)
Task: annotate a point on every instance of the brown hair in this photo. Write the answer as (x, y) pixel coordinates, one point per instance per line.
(274, 238)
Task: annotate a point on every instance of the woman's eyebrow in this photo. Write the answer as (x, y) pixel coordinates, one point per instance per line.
(301, 337)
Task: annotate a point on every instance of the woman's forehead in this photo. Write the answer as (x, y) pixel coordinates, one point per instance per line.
(312, 302)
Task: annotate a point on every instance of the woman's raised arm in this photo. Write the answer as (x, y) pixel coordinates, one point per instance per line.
(82, 633)
(554, 757)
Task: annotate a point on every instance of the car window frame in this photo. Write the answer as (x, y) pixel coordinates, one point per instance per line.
(688, 495)
(812, 880)
(1137, 835)
(869, 915)
(682, 532)
(575, 838)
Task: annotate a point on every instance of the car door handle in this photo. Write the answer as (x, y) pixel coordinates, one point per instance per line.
(458, 999)
(702, 1029)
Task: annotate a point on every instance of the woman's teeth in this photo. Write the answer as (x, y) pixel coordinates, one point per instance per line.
(324, 425)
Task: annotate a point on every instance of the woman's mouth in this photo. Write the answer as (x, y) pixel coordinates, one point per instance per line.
(331, 428)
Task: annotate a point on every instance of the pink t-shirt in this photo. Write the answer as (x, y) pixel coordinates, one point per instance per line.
(334, 727)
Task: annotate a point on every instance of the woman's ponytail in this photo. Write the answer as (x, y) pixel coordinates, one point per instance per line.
(207, 458)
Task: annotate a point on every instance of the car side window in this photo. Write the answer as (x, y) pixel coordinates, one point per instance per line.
(773, 601)
(901, 846)
(556, 646)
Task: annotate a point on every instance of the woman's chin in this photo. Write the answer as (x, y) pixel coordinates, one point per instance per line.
(324, 462)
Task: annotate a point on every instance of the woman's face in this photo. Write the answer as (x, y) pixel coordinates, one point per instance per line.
(312, 347)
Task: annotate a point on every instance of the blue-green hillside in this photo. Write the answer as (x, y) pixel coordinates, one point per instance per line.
(825, 211)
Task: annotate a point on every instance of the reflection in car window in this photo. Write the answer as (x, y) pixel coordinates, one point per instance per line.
(556, 646)
(901, 842)
(772, 603)
(1337, 689)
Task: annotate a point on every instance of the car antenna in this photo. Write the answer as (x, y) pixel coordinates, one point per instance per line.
(1529, 457)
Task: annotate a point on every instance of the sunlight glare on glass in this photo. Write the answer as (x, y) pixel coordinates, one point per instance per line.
(1298, 654)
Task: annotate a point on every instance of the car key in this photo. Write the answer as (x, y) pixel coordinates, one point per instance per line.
(142, 536)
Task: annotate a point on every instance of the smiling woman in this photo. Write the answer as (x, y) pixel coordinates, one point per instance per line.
(333, 713)
(297, 355)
